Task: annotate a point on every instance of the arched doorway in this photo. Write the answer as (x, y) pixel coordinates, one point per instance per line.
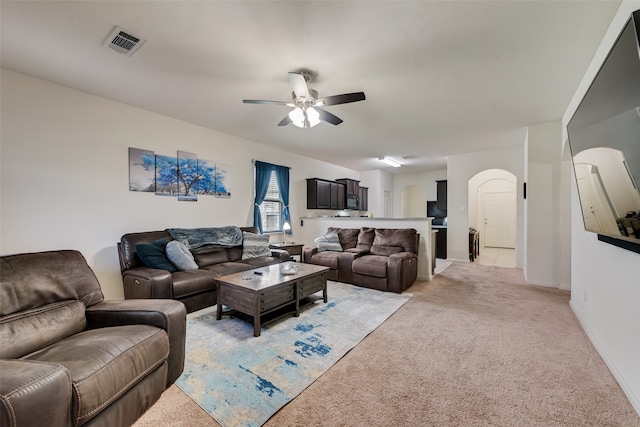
(492, 211)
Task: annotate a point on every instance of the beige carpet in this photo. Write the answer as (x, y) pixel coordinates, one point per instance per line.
(473, 347)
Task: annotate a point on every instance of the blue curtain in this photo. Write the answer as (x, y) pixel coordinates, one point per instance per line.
(282, 178)
(263, 176)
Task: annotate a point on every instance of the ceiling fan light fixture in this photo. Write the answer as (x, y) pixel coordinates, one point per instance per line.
(390, 162)
(297, 117)
(313, 116)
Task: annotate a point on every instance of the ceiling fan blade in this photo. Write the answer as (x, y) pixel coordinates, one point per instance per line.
(285, 121)
(299, 85)
(262, 101)
(345, 98)
(326, 116)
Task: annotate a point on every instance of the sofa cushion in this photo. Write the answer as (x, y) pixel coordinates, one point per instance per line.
(255, 245)
(365, 238)
(404, 238)
(385, 250)
(326, 259)
(154, 255)
(180, 256)
(191, 282)
(329, 242)
(348, 236)
(31, 330)
(261, 261)
(370, 265)
(225, 268)
(113, 361)
(36, 279)
(211, 256)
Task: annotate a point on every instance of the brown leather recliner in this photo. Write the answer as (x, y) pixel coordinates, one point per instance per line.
(69, 358)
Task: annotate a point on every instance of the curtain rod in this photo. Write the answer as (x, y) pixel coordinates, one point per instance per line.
(254, 160)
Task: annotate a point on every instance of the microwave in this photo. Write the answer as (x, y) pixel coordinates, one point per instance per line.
(353, 202)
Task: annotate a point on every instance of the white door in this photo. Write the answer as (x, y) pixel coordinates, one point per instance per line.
(500, 220)
(388, 205)
(596, 210)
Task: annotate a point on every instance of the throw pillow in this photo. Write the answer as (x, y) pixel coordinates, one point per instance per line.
(153, 255)
(180, 256)
(255, 245)
(329, 242)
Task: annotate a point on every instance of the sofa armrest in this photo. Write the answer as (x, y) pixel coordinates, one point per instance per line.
(402, 270)
(280, 253)
(169, 315)
(307, 253)
(345, 259)
(33, 393)
(141, 283)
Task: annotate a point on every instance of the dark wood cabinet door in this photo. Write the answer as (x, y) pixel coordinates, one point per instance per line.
(364, 198)
(318, 194)
(441, 191)
(324, 195)
(341, 197)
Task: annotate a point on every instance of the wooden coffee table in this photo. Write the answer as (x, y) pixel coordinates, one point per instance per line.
(258, 295)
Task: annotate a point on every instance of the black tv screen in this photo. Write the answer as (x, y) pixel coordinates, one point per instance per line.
(604, 137)
(433, 211)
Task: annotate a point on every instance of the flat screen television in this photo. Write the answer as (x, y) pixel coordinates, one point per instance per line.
(604, 138)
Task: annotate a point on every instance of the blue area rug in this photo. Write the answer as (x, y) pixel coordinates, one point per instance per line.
(242, 380)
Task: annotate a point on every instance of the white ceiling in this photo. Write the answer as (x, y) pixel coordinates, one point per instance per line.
(440, 77)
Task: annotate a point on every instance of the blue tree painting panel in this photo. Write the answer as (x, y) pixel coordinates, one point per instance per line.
(166, 176)
(188, 176)
(223, 188)
(141, 170)
(207, 172)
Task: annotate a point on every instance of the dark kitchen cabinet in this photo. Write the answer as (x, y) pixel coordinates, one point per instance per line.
(441, 192)
(325, 194)
(364, 198)
(441, 242)
(351, 185)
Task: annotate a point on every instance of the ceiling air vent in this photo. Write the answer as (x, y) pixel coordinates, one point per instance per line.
(123, 42)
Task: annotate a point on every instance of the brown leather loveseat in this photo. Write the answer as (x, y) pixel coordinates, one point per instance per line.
(195, 288)
(378, 258)
(69, 358)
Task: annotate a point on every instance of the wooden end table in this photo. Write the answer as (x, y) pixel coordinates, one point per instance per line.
(259, 295)
(293, 248)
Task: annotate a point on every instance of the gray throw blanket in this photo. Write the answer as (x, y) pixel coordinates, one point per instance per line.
(195, 238)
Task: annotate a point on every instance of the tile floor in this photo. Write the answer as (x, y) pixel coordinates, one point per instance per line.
(498, 257)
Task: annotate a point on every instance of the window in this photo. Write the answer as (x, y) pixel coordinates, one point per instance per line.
(271, 208)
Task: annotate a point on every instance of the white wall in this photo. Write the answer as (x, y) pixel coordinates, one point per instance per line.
(378, 182)
(425, 181)
(543, 204)
(605, 290)
(460, 169)
(65, 174)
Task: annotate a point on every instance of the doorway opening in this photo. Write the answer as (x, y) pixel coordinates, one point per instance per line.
(492, 212)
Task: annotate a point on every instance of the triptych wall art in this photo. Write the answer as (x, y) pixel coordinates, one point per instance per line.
(184, 176)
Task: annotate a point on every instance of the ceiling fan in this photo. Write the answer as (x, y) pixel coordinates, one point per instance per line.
(307, 111)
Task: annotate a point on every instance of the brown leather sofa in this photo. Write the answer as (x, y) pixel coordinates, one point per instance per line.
(378, 258)
(70, 358)
(195, 288)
